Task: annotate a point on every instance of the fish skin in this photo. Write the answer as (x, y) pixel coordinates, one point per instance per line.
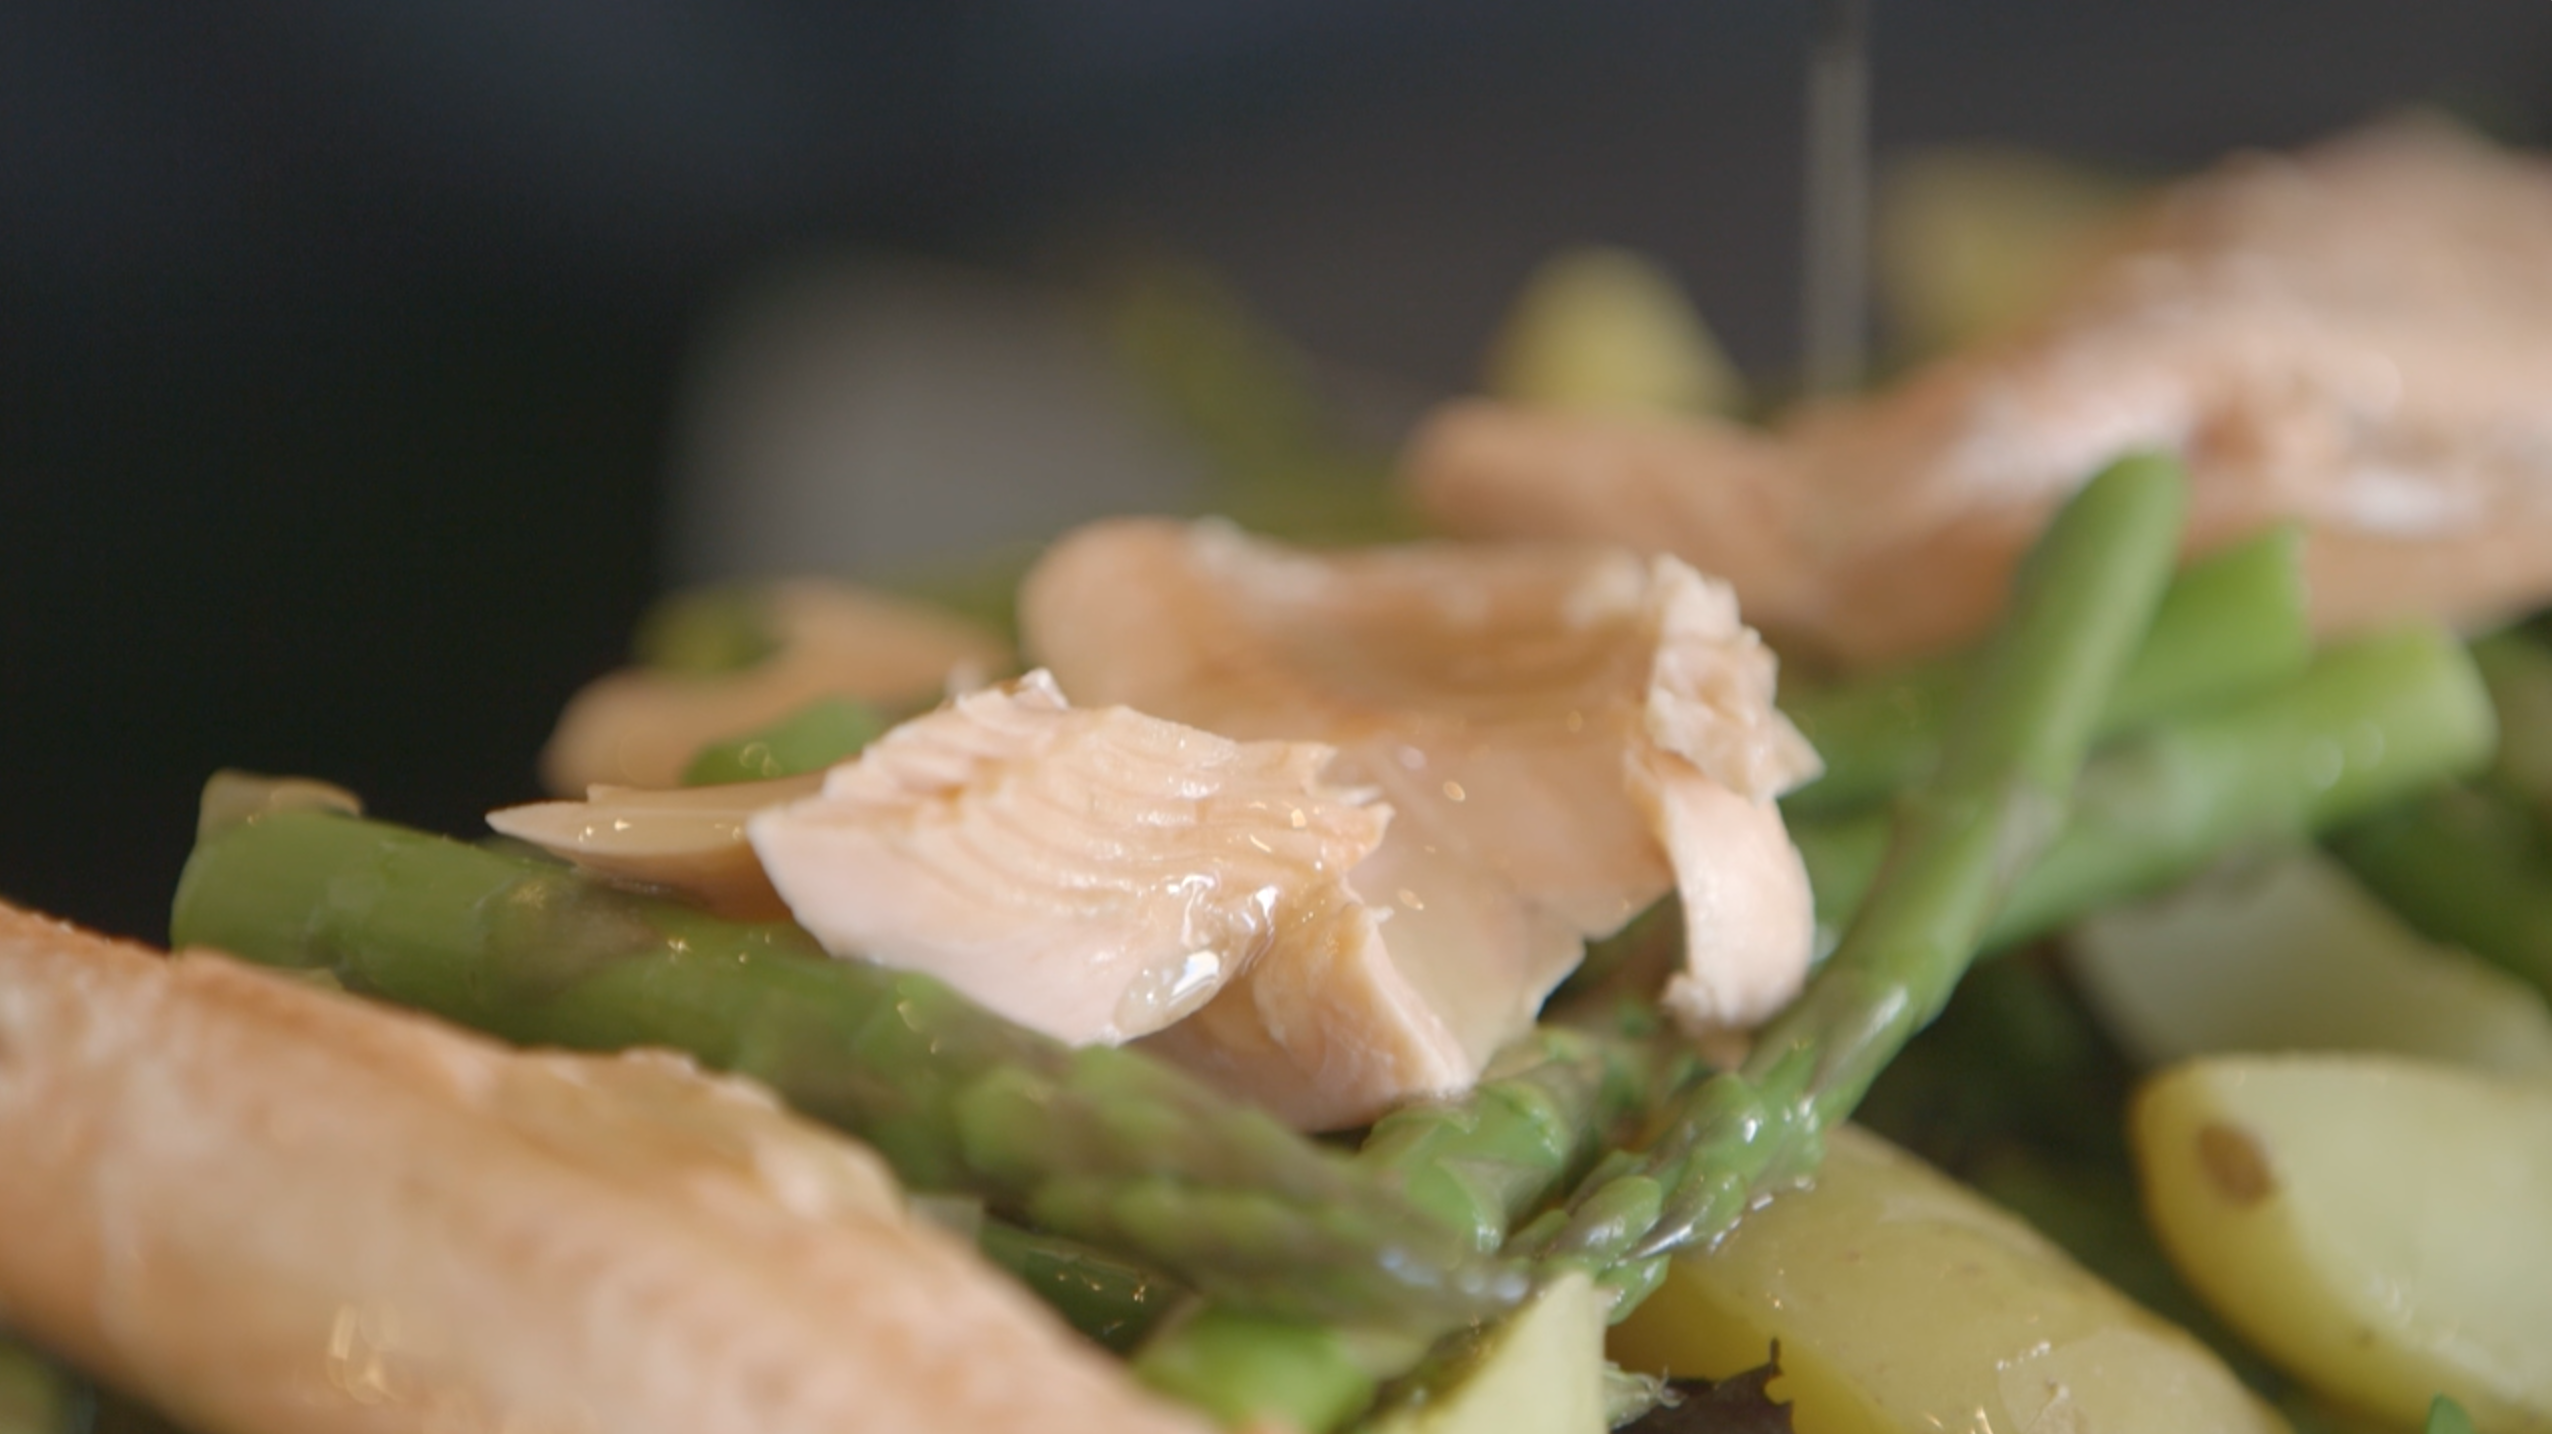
(2357, 336)
(266, 1207)
(1499, 698)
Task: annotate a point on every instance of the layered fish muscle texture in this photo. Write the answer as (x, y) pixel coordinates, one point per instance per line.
(272, 1208)
(1564, 735)
(2358, 336)
(1101, 874)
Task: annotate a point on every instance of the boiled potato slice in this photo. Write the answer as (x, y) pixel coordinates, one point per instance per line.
(1905, 1302)
(1605, 330)
(1543, 1373)
(2382, 1227)
(2292, 955)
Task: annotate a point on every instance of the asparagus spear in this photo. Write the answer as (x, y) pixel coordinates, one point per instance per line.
(2369, 723)
(1113, 1301)
(2518, 668)
(2082, 602)
(1537, 1118)
(1100, 1144)
(2466, 865)
(2231, 623)
(38, 1396)
(825, 731)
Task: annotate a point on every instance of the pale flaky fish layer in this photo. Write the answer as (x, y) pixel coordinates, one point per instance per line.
(1564, 733)
(2359, 337)
(684, 841)
(271, 1208)
(1100, 874)
(641, 728)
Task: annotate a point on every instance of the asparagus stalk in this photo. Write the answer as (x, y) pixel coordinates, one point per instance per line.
(2518, 668)
(1113, 1301)
(2231, 623)
(1535, 1121)
(38, 1396)
(2465, 865)
(2082, 602)
(2370, 723)
(1099, 1144)
(825, 731)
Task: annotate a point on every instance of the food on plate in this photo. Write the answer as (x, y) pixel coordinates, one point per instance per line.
(1586, 729)
(1100, 1143)
(688, 840)
(1542, 1372)
(2286, 953)
(2232, 625)
(2371, 723)
(1333, 831)
(271, 1207)
(1099, 874)
(1903, 1300)
(2373, 1223)
(2084, 604)
(727, 663)
(1605, 330)
(1971, 241)
(2357, 337)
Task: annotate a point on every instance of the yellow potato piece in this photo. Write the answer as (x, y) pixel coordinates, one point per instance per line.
(2380, 1226)
(1543, 1373)
(1905, 1302)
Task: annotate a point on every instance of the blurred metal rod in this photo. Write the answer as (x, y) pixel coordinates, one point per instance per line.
(1835, 297)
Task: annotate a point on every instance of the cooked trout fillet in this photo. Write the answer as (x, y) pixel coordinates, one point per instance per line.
(688, 841)
(641, 728)
(2359, 337)
(1563, 733)
(1100, 874)
(272, 1209)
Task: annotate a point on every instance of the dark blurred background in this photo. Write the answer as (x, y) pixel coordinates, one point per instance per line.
(341, 344)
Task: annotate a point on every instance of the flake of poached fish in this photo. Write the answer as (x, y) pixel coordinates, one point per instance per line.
(1564, 734)
(685, 840)
(1099, 874)
(266, 1206)
(2359, 337)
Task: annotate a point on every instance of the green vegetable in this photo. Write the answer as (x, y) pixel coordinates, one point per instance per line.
(1538, 1117)
(814, 737)
(2370, 723)
(1111, 1300)
(2469, 866)
(2082, 603)
(705, 632)
(2232, 623)
(2447, 1417)
(37, 1396)
(1241, 1368)
(2518, 668)
(1279, 463)
(1100, 1144)
(1605, 330)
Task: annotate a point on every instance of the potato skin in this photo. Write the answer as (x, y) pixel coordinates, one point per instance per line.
(1905, 1302)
